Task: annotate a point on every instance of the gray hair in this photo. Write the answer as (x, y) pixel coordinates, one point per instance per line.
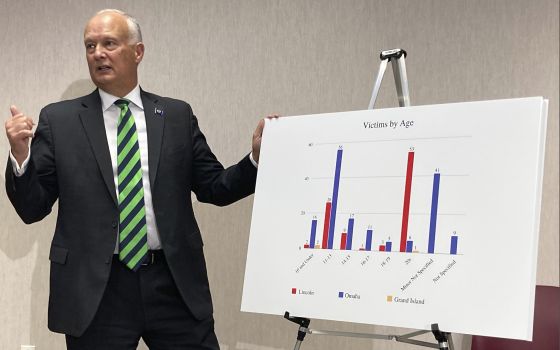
(134, 32)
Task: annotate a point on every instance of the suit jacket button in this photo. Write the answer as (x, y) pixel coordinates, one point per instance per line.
(114, 224)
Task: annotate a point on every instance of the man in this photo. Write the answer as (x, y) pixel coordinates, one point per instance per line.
(126, 256)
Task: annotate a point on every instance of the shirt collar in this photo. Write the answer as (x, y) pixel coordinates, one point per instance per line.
(107, 100)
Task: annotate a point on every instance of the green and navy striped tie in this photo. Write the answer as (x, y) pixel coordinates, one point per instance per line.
(133, 236)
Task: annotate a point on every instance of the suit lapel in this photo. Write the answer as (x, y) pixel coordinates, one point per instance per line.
(154, 127)
(94, 126)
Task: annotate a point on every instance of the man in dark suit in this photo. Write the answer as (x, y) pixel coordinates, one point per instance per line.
(126, 257)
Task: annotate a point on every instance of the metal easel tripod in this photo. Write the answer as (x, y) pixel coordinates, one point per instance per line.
(444, 339)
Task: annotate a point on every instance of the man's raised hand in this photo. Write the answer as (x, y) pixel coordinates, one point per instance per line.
(19, 129)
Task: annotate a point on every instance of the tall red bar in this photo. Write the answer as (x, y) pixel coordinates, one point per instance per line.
(326, 226)
(343, 241)
(406, 204)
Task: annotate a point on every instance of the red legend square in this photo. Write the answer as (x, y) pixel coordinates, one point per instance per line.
(293, 291)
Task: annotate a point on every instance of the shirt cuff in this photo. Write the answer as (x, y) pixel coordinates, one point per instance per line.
(19, 170)
(253, 160)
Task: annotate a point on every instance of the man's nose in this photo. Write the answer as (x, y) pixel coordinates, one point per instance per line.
(99, 52)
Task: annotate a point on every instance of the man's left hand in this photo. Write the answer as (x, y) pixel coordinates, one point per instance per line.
(257, 136)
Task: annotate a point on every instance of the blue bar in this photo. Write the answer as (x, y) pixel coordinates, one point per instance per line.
(313, 232)
(388, 246)
(334, 198)
(369, 233)
(433, 214)
(409, 246)
(350, 233)
(454, 240)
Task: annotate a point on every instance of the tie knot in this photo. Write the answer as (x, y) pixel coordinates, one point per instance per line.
(122, 103)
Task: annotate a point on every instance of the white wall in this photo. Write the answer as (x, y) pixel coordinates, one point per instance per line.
(236, 61)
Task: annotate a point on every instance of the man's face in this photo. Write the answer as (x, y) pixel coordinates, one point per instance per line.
(112, 61)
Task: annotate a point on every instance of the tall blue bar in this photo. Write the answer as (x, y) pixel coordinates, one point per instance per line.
(369, 234)
(409, 246)
(350, 234)
(335, 197)
(313, 232)
(388, 246)
(433, 214)
(453, 249)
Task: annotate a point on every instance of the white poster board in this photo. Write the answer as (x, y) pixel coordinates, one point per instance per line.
(401, 217)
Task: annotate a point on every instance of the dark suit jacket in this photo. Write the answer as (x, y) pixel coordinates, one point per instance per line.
(70, 161)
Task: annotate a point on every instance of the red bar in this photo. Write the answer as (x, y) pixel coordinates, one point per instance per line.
(343, 241)
(381, 248)
(306, 245)
(326, 226)
(406, 205)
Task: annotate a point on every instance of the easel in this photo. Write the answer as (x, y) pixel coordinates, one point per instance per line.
(444, 339)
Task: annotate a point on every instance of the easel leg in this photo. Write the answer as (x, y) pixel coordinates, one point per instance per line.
(444, 339)
(302, 330)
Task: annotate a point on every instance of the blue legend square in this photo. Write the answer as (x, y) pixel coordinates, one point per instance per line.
(341, 294)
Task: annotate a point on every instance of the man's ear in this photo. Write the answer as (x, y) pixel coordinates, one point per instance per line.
(139, 51)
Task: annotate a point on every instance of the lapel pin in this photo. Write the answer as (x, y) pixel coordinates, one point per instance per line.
(158, 111)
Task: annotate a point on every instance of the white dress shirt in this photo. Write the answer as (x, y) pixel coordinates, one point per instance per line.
(111, 114)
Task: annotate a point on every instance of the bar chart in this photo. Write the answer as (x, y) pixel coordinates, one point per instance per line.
(388, 217)
(347, 236)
